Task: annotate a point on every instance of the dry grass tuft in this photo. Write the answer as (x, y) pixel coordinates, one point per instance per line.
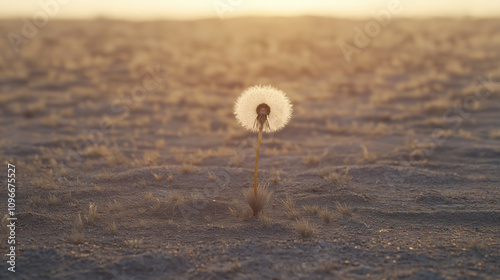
(115, 206)
(158, 177)
(337, 179)
(157, 206)
(45, 183)
(289, 205)
(311, 209)
(265, 221)
(311, 159)
(176, 198)
(148, 197)
(187, 168)
(239, 210)
(134, 243)
(98, 151)
(78, 223)
(326, 215)
(257, 203)
(67, 197)
(368, 156)
(344, 209)
(35, 200)
(275, 176)
(76, 237)
(112, 228)
(91, 217)
(53, 200)
(234, 212)
(304, 228)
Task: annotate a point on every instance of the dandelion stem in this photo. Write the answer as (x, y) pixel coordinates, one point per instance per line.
(256, 164)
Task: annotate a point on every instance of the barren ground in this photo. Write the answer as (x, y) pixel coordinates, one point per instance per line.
(389, 168)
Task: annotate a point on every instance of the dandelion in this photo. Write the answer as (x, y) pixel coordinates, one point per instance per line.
(262, 109)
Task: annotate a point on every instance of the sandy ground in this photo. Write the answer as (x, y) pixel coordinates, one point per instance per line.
(131, 165)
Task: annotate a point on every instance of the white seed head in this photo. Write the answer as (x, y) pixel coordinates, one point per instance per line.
(272, 117)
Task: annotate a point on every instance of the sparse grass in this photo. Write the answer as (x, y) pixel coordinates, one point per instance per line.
(304, 228)
(53, 200)
(78, 223)
(148, 197)
(105, 175)
(257, 203)
(150, 157)
(311, 209)
(35, 200)
(326, 215)
(275, 176)
(170, 178)
(289, 205)
(311, 159)
(264, 220)
(134, 243)
(157, 206)
(116, 158)
(337, 179)
(344, 209)
(112, 228)
(158, 177)
(239, 210)
(235, 213)
(67, 197)
(368, 156)
(98, 151)
(45, 183)
(187, 168)
(115, 206)
(76, 237)
(176, 198)
(91, 217)
(212, 176)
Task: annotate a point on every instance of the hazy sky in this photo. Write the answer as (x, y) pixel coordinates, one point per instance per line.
(188, 9)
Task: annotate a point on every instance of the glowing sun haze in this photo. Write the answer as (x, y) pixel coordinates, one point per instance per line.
(193, 9)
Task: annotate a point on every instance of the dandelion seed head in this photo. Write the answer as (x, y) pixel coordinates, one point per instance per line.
(263, 106)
